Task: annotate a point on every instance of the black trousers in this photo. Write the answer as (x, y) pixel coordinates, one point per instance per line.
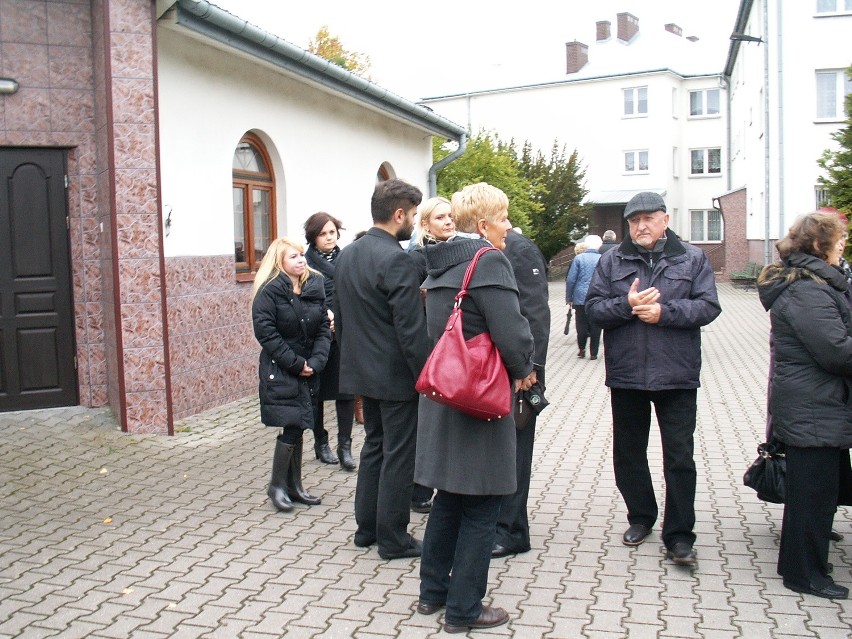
(813, 485)
(345, 409)
(586, 331)
(386, 473)
(631, 416)
(513, 526)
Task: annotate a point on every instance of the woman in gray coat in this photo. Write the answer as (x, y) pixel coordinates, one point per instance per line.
(470, 462)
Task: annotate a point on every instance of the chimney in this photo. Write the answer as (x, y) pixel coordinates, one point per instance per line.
(671, 27)
(603, 32)
(628, 26)
(577, 55)
(692, 38)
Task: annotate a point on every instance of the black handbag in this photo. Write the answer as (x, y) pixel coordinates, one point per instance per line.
(766, 474)
(567, 323)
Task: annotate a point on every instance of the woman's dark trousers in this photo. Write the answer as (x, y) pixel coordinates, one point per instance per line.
(811, 501)
(586, 331)
(457, 552)
(631, 417)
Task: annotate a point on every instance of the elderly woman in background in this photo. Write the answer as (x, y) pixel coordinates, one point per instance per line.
(576, 287)
(322, 232)
(810, 392)
(470, 462)
(291, 324)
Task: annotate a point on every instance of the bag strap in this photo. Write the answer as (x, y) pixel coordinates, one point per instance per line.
(468, 274)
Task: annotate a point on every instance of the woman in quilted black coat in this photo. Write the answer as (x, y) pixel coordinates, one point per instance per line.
(291, 324)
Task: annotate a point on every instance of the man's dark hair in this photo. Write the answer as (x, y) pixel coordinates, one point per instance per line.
(391, 195)
(316, 223)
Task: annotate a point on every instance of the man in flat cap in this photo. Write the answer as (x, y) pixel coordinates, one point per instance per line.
(651, 295)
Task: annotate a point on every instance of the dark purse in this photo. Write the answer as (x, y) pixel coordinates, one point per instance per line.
(567, 323)
(468, 376)
(767, 474)
(528, 404)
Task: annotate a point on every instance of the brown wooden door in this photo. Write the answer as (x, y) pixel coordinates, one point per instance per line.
(37, 367)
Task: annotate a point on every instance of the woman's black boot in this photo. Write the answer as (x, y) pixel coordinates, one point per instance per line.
(344, 452)
(324, 453)
(294, 478)
(278, 489)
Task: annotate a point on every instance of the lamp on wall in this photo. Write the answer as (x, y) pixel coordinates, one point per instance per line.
(8, 86)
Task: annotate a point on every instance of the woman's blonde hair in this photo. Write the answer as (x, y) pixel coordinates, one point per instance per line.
(271, 264)
(476, 202)
(427, 209)
(579, 247)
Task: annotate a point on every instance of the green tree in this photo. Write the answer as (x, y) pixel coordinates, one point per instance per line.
(329, 47)
(487, 159)
(562, 215)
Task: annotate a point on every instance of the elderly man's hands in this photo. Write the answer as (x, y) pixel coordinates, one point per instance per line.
(644, 303)
(526, 383)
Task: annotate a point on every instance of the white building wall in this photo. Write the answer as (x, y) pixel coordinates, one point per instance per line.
(588, 115)
(326, 150)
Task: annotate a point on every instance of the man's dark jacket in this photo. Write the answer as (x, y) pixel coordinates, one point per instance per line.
(379, 319)
(661, 356)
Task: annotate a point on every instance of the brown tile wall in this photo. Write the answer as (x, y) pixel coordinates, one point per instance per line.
(734, 214)
(47, 48)
(212, 347)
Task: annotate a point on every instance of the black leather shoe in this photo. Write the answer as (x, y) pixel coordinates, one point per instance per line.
(488, 618)
(683, 554)
(422, 507)
(364, 541)
(835, 536)
(426, 608)
(501, 551)
(324, 454)
(414, 549)
(635, 535)
(829, 591)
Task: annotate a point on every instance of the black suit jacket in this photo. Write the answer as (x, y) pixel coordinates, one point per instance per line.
(379, 319)
(530, 270)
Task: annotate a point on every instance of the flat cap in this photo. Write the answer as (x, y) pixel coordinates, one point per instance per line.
(644, 202)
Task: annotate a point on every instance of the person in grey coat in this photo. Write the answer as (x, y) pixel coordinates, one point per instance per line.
(651, 296)
(470, 462)
(805, 295)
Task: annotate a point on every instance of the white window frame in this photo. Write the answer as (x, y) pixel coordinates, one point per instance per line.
(635, 102)
(833, 7)
(821, 196)
(705, 163)
(841, 86)
(705, 226)
(635, 156)
(704, 102)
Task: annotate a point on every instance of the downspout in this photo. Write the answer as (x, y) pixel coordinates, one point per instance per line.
(781, 224)
(767, 248)
(726, 83)
(440, 164)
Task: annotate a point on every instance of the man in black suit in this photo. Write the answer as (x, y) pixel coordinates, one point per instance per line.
(383, 345)
(530, 268)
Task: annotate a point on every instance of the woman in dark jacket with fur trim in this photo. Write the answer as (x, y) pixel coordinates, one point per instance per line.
(810, 392)
(322, 231)
(290, 322)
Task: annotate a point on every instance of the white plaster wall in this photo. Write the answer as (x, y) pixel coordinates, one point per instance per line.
(326, 150)
(588, 116)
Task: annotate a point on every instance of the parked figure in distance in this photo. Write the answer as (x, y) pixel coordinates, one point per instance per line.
(292, 326)
(576, 286)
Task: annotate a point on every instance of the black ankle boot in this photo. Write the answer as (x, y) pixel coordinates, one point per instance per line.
(324, 453)
(278, 489)
(294, 479)
(344, 452)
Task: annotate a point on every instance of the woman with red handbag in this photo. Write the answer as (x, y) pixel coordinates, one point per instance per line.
(470, 461)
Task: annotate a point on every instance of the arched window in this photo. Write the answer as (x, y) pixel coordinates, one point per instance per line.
(254, 204)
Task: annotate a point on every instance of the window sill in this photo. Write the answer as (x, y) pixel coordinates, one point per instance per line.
(835, 120)
(705, 241)
(633, 116)
(636, 173)
(245, 277)
(711, 116)
(705, 175)
(832, 14)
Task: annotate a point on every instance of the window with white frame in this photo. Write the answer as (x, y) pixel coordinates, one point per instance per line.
(636, 161)
(832, 85)
(705, 225)
(705, 161)
(635, 102)
(675, 162)
(833, 6)
(821, 196)
(704, 103)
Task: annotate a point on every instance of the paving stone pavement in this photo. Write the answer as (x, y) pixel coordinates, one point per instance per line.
(108, 535)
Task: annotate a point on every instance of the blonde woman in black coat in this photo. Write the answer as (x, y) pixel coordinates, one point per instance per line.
(292, 325)
(810, 392)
